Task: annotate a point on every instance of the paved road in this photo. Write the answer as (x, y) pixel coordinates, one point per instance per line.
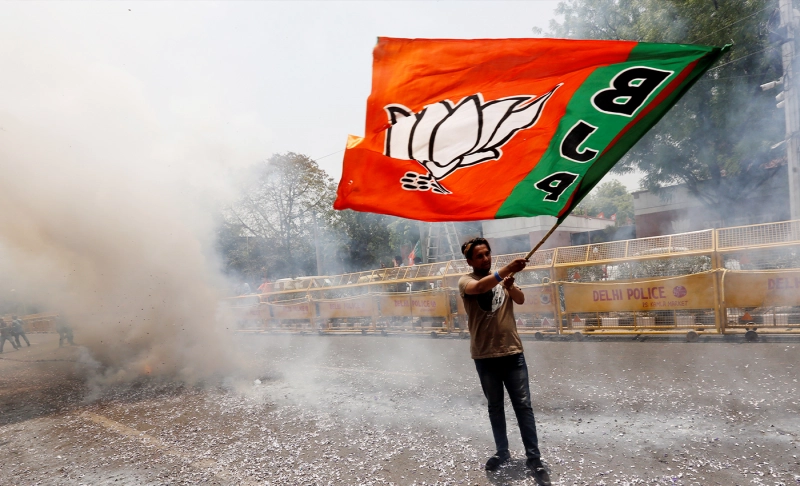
(381, 410)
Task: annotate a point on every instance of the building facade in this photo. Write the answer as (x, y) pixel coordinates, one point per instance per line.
(514, 235)
(675, 210)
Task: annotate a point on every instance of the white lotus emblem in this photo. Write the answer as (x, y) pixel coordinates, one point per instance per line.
(444, 137)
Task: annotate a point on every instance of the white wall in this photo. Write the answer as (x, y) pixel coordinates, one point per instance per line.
(503, 228)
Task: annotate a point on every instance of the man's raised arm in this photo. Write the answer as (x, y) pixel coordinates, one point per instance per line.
(488, 282)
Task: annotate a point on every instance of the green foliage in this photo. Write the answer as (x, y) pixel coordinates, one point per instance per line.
(243, 254)
(364, 240)
(405, 233)
(609, 198)
(278, 203)
(717, 140)
(285, 211)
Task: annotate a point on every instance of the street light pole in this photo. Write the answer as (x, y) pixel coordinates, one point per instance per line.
(316, 245)
(424, 241)
(791, 102)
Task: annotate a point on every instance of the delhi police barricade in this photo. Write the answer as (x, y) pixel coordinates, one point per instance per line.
(728, 280)
(767, 300)
(684, 304)
(759, 288)
(243, 312)
(386, 312)
(290, 315)
(423, 311)
(538, 314)
(355, 313)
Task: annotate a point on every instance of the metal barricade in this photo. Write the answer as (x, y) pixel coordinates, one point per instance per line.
(414, 312)
(768, 301)
(725, 280)
(539, 313)
(295, 315)
(350, 314)
(668, 305)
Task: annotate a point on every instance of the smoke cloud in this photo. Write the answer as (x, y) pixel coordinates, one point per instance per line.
(107, 213)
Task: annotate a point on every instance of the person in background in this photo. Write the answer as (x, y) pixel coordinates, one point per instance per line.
(264, 287)
(397, 261)
(418, 285)
(18, 330)
(6, 334)
(244, 289)
(64, 333)
(496, 348)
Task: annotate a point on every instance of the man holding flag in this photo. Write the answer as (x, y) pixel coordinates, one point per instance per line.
(497, 350)
(467, 130)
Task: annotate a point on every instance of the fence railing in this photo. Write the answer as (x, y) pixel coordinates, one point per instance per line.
(711, 281)
(34, 323)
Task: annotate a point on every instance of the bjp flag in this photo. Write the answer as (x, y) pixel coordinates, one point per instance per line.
(461, 130)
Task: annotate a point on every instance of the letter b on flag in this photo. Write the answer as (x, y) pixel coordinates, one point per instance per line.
(629, 90)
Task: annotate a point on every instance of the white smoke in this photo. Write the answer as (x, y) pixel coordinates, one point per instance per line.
(107, 211)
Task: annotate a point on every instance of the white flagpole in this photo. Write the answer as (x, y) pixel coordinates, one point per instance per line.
(539, 245)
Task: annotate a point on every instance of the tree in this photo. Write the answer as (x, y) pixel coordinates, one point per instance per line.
(365, 240)
(718, 140)
(609, 198)
(276, 209)
(243, 255)
(405, 234)
(271, 227)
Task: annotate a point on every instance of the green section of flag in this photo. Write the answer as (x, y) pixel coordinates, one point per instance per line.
(527, 200)
(637, 131)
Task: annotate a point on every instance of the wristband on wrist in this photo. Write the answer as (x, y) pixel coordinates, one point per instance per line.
(497, 276)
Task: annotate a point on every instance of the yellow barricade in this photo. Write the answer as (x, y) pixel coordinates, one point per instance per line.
(761, 288)
(539, 299)
(415, 304)
(245, 311)
(675, 293)
(395, 305)
(430, 304)
(363, 306)
(297, 310)
(709, 291)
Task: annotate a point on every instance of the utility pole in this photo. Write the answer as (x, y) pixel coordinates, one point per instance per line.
(791, 101)
(316, 245)
(424, 240)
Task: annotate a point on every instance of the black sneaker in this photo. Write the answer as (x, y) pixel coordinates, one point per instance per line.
(540, 474)
(495, 461)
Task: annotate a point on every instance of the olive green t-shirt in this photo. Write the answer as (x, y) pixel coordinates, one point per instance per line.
(492, 327)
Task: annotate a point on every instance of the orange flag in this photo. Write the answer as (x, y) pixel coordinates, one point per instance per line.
(480, 129)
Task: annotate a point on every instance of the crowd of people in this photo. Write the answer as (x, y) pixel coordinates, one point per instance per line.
(15, 333)
(12, 333)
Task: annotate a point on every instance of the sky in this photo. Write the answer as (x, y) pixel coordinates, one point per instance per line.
(123, 127)
(247, 79)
